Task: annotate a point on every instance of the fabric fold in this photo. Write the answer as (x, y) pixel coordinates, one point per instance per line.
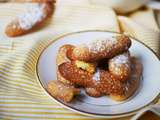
(147, 35)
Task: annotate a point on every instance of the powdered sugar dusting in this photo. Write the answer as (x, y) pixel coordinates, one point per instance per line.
(33, 15)
(117, 62)
(101, 44)
(121, 59)
(96, 75)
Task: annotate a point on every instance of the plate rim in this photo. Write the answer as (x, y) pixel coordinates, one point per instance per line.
(81, 111)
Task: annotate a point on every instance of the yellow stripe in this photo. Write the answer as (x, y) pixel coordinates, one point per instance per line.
(16, 94)
(25, 94)
(25, 57)
(20, 62)
(28, 54)
(17, 98)
(20, 84)
(13, 70)
(29, 103)
(18, 78)
(4, 85)
(31, 51)
(9, 90)
(11, 97)
(21, 51)
(21, 102)
(15, 60)
(24, 75)
(48, 118)
(11, 65)
(7, 86)
(26, 97)
(39, 113)
(36, 89)
(33, 108)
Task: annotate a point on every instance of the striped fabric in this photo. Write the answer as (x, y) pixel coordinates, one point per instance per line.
(21, 96)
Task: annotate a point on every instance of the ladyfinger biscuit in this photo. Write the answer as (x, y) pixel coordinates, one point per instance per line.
(62, 58)
(69, 53)
(75, 75)
(107, 84)
(120, 66)
(102, 48)
(132, 84)
(62, 91)
(36, 14)
(62, 55)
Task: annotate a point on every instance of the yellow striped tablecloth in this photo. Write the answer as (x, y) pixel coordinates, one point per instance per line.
(21, 97)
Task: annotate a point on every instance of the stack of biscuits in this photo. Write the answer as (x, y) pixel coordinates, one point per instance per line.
(101, 67)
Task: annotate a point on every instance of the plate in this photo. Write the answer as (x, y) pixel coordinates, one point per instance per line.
(103, 107)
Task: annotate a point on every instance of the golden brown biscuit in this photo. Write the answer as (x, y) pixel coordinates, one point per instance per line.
(102, 48)
(108, 84)
(24, 23)
(65, 55)
(132, 84)
(62, 55)
(62, 58)
(69, 53)
(75, 75)
(62, 91)
(120, 66)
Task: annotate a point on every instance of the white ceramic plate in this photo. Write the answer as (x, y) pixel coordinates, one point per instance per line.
(104, 106)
